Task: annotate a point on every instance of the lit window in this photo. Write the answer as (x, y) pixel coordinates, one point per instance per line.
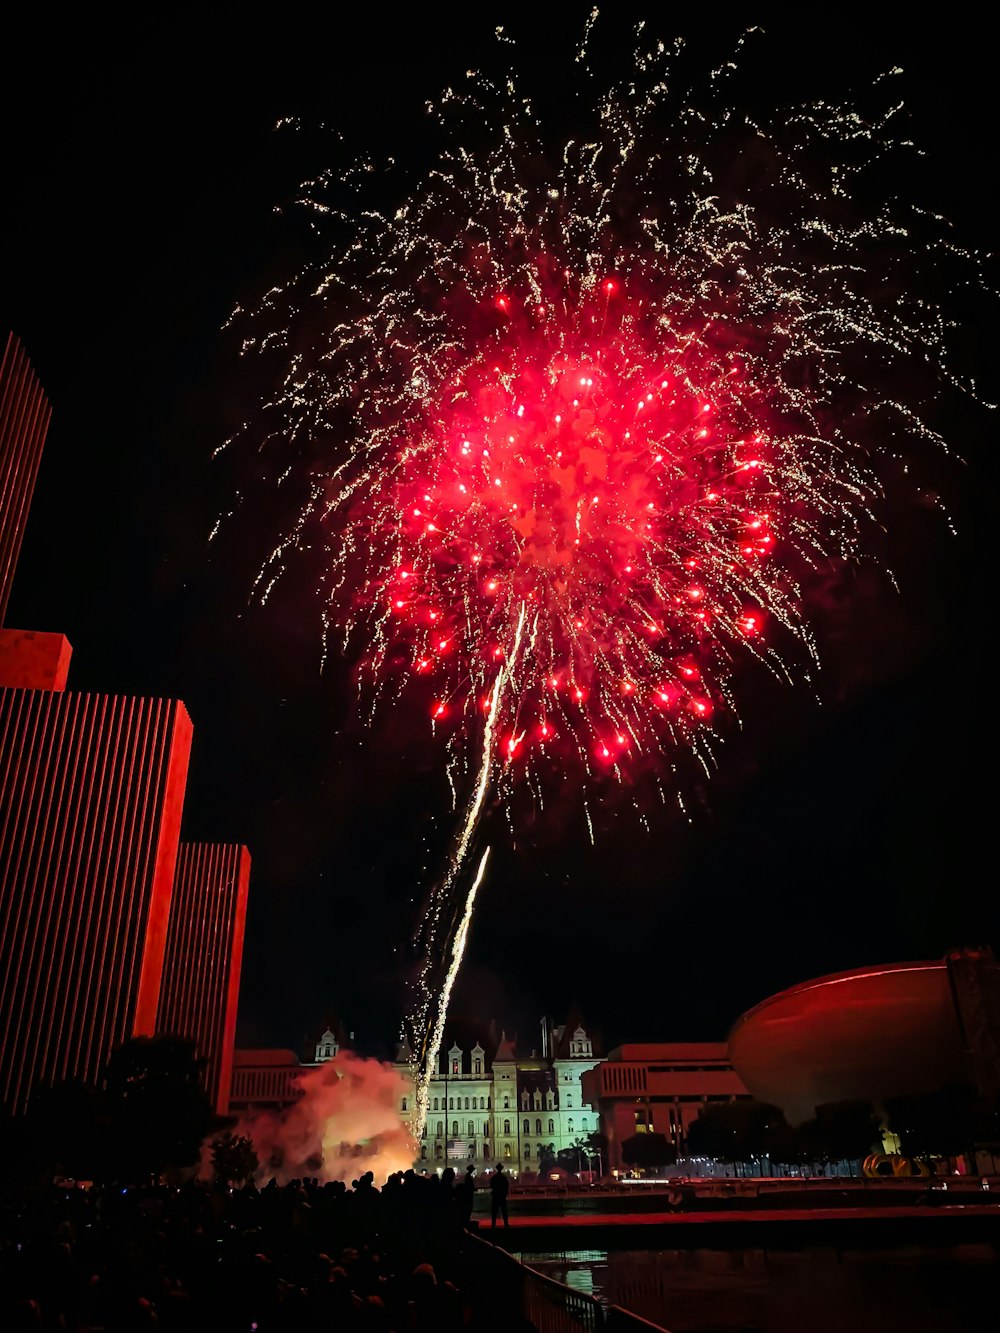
(454, 1066)
(506, 1150)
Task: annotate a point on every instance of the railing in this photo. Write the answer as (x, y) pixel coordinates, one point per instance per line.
(547, 1305)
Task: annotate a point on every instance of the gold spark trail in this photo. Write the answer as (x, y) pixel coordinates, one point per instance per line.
(432, 1010)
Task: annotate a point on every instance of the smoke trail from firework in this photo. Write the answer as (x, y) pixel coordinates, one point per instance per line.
(628, 404)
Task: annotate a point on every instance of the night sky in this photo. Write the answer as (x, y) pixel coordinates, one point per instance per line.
(140, 174)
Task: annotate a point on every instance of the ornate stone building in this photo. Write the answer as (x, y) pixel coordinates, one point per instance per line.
(490, 1104)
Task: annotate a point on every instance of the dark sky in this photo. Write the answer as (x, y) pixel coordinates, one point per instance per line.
(139, 177)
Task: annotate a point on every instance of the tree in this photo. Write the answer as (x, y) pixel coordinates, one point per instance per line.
(67, 1130)
(648, 1152)
(158, 1112)
(839, 1132)
(234, 1159)
(935, 1124)
(547, 1160)
(739, 1132)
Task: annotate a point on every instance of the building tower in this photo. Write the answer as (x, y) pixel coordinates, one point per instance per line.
(24, 421)
(91, 792)
(201, 970)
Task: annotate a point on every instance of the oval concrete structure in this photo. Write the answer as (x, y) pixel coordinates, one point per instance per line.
(866, 1034)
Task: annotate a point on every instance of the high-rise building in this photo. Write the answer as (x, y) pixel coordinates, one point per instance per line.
(24, 420)
(201, 972)
(91, 795)
(91, 792)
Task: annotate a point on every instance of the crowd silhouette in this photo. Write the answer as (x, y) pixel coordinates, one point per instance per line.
(301, 1256)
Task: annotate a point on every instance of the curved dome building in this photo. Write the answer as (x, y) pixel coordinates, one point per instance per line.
(871, 1033)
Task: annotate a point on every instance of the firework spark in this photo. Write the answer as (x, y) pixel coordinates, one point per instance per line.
(581, 433)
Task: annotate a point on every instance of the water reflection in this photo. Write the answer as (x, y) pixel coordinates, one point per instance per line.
(905, 1290)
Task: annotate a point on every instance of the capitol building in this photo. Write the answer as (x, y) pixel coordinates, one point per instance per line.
(489, 1104)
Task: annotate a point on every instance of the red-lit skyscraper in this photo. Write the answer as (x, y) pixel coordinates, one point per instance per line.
(91, 795)
(201, 972)
(91, 792)
(24, 420)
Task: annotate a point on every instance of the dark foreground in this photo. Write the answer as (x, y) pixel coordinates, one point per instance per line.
(200, 1260)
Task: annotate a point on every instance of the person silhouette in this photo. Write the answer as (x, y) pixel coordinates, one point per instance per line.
(499, 1186)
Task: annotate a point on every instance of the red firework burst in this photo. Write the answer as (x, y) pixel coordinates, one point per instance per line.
(602, 474)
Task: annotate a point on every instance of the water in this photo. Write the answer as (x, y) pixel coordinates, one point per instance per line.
(906, 1290)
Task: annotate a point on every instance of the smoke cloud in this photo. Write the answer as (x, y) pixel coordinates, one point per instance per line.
(347, 1121)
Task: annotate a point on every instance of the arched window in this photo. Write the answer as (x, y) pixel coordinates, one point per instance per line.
(435, 1103)
(506, 1103)
(486, 1128)
(454, 1066)
(466, 1103)
(472, 1128)
(538, 1127)
(524, 1099)
(506, 1150)
(552, 1126)
(506, 1126)
(527, 1126)
(538, 1101)
(569, 1125)
(451, 1103)
(403, 1104)
(440, 1128)
(478, 1067)
(527, 1150)
(454, 1129)
(326, 1050)
(584, 1125)
(423, 1132)
(438, 1151)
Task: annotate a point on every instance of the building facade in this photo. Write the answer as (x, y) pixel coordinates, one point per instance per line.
(24, 422)
(488, 1103)
(658, 1088)
(201, 971)
(265, 1079)
(91, 792)
(91, 796)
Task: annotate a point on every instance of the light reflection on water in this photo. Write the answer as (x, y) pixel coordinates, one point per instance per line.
(906, 1290)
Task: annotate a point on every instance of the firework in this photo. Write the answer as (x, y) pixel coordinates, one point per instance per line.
(582, 433)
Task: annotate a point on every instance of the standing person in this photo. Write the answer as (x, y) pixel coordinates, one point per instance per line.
(466, 1189)
(499, 1186)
